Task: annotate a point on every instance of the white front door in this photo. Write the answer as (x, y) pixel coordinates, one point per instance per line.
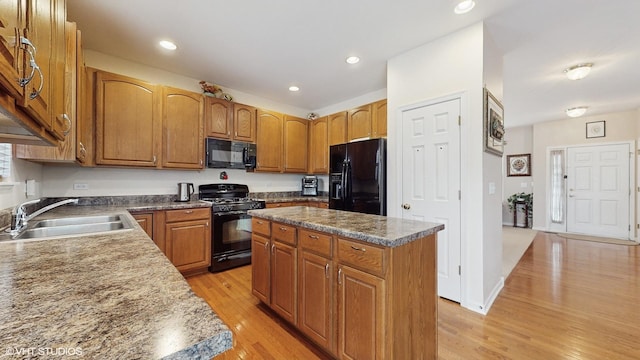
(431, 182)
(598, 190)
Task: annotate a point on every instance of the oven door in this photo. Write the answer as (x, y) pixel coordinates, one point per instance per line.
(231, 232)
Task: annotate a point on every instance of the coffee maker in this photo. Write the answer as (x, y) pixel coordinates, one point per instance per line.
(310, 185)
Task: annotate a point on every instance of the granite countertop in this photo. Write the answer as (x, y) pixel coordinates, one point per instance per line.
(375, 229)
(111, 295)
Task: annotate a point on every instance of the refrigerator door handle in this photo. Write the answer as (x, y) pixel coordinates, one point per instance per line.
(347, 181)
(343, 180)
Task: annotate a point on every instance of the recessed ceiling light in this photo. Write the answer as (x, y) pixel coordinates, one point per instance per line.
(168, 45)
(577, 111)
(578, 72)
(294, 88)
(464, 6)
(352, 60)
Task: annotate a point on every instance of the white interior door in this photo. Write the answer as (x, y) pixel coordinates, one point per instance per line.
(598, 190)
(431, 182)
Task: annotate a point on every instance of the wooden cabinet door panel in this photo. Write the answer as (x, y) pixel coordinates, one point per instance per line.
(244, 123)
(337, 128)
(319, 146)
(269, 141)
(219, 118)
(296, 131)
(40, 31)
(361, 322)
(127, 114)
(261, 267)
(145, 221)
(315, 292)
(182, 129)
(11, 62)
(359, 123)
(188, 244)
(379, 119)
(283, 281)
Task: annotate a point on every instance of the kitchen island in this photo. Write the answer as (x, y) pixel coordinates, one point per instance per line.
(111, 295)
(360, 286)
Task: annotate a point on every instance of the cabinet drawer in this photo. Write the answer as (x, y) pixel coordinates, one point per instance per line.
(362, 256)
(284, 233)
(187, 214)
(261, 226)
(315, 241)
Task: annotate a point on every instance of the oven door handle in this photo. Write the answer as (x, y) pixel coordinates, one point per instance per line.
(226, 213)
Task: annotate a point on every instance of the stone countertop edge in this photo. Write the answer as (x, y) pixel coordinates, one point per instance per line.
(110, 294)
(374, 229)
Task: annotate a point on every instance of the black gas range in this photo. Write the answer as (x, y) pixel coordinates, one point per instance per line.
(231, 230)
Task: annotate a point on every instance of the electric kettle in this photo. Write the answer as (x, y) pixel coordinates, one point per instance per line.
(185, 190)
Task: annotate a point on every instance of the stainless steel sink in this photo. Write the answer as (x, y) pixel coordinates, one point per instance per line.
(72, 226)
(81, 220)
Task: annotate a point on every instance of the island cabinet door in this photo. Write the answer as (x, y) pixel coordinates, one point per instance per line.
(315, 294)
(260, 267)
(361, 323)
(283, 281)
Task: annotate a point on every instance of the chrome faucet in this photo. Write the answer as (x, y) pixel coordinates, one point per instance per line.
(19, 218)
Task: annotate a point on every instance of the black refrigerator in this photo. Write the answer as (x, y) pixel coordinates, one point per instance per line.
(357, 180)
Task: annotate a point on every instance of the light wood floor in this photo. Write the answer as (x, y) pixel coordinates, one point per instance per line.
(566, 299)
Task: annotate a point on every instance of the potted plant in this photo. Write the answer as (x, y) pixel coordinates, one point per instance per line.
(527, 198)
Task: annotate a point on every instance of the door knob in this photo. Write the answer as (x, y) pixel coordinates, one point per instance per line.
(406, 206)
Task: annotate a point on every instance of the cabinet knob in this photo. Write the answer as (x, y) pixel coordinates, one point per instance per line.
(69, 124)
(358, 249)
(314, 237)
(273, 249)
(340, 276)
(326, 270)
(188, 211)
(282, 228)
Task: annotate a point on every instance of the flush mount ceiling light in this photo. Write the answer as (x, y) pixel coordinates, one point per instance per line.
(352, 60)
(294, 88)
(576, 111)
(464, 6)
(578, 72)
(168, 44)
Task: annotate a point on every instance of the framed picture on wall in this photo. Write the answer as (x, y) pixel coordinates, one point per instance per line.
(493, 124)
(596, 129)
(519, 165)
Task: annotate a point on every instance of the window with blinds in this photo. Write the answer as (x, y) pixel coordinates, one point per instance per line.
(5, 162)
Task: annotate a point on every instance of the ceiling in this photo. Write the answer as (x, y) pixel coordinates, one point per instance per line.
(263, 47)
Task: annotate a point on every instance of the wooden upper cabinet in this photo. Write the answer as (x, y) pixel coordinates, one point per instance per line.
(11, 60)
(127, 121)
(182, 129)
(66, 104)
(359, 123)
(41, 29)
(296, 131)
(269, 141)
(337, 124)
(318, 146)
(85, 119)
(379, 119)
(218, 118)
(244, 123)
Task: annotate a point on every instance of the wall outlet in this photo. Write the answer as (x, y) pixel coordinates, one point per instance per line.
(80, 186)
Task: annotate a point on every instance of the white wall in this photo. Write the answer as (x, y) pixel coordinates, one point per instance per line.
(519, 141)
(21, 171)
(620, 126)
(454, 65)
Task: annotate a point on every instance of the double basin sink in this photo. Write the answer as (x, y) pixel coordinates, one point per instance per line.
(72, 226)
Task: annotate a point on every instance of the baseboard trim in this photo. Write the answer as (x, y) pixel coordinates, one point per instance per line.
(484, 308)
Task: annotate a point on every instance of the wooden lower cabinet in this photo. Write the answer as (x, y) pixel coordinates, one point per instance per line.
(315, 313)
(274, 267)
(145, 220)
(355, 300)
(361, 321)
(183, 235)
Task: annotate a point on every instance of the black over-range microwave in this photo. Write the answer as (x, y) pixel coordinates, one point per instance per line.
(225, 154)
